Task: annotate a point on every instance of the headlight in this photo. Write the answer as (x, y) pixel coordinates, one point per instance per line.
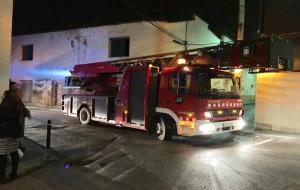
(208, 115)
(206, 128)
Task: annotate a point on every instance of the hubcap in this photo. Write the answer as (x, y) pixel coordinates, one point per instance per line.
(160, 127)
(84, 116)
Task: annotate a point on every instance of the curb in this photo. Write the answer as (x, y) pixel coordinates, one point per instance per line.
(41, 108)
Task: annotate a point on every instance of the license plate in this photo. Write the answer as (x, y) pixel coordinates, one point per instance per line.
(226, 128)
(227, 124)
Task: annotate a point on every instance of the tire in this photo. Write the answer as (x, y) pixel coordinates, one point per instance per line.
(85, 116)
(163, 129)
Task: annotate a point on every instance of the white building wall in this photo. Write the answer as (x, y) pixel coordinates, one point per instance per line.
(278, 102)
(55, 53)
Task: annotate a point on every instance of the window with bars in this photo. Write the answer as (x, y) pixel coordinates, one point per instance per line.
(27, 52)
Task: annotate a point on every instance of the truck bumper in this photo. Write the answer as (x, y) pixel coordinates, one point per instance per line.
(205, 127)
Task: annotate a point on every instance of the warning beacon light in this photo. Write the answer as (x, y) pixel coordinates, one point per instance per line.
(181, 61)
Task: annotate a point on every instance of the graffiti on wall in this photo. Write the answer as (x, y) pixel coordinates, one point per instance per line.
(45, 93)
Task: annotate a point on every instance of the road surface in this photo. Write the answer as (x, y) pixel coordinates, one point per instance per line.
(263, 160)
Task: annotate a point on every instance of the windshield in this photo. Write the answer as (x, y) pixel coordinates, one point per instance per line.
(217, 85)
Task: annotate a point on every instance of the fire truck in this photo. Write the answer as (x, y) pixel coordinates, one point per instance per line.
(182, 93)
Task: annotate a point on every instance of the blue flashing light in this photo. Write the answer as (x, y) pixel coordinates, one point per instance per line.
(52, 74)
(67, 165)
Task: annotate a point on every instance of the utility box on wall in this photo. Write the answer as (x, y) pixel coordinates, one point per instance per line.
(265, 54)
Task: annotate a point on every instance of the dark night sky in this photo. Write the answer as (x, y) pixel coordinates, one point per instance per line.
(35, 16)
(282, 16)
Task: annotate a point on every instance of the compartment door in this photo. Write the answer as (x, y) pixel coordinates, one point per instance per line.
(100, 107)
(137, 96)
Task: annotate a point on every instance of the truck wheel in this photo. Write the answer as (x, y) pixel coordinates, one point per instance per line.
(163, 129)
(85, 116)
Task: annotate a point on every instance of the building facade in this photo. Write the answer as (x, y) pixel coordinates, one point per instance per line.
(40, 62)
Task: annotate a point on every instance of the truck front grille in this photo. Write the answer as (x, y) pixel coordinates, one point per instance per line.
(226, 112)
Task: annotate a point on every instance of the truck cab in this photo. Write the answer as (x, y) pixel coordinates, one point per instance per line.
(198, 101)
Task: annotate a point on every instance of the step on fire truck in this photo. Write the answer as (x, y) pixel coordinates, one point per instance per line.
(183, 93)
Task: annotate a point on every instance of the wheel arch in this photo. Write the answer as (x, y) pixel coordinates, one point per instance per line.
(169, 115)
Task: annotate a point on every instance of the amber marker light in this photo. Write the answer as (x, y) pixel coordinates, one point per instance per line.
(220, 112)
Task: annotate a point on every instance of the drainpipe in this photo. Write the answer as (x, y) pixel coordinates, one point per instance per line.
(261, 17)
(241, 26)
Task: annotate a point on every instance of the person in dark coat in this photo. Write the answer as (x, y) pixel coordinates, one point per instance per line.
(10, 130)
(24, 112)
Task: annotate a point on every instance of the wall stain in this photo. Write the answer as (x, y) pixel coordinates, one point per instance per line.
(79, 46)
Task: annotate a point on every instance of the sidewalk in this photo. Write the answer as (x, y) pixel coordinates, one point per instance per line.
(41, 169)
(34, 157)
(54, 177)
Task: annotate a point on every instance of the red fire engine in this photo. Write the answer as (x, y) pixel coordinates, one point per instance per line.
(171, 94)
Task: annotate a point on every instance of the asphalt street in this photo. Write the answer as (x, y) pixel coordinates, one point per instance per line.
(136, 160)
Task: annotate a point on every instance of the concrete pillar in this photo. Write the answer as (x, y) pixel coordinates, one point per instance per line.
(248, 86)
(6, 9)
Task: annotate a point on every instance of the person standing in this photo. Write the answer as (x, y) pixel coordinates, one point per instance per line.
(12, 112)
(24, 112)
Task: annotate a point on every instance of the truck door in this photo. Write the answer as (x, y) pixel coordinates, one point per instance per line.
(73, 105)
(179, 95)
(151, 95)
